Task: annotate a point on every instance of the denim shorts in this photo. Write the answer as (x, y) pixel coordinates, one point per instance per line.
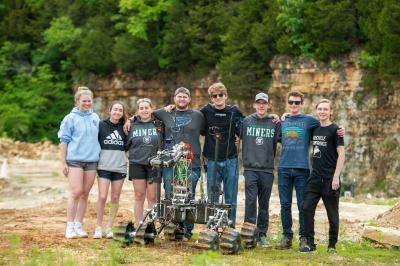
(86, 166)
(112, 176)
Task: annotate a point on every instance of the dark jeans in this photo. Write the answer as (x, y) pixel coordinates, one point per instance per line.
(287, 179)
(228, 174)
(258, 185)
(316, 189)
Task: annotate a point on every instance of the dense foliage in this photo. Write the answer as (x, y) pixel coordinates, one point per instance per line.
(47, 46)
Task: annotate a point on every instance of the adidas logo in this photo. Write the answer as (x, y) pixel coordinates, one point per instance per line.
(114, 138)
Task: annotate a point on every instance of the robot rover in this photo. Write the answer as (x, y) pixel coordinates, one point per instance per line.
(170, 215)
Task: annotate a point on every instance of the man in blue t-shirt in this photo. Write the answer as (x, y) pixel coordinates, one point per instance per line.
(293, 169)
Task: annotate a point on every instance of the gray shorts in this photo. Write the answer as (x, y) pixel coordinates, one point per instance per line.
(86, 166)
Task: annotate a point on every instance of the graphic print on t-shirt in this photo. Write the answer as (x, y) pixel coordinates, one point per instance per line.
(318, 141)
(317, 152)
(293, 134)
(180, 122)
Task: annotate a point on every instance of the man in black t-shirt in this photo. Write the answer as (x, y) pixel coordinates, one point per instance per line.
(328, 161)
(226, 120)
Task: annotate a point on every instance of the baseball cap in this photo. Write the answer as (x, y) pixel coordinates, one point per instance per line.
(261, 96)
(182, 90)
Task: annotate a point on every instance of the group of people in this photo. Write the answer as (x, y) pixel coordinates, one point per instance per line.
(89, 145)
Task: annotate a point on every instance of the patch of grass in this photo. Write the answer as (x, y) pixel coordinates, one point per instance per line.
(55, 174)
(385, 201)
(41, 257)
(367, 252)
(111, 253)
(206, 258)
(22, 179)
(116, 254)
(362, 198)
(10, 255)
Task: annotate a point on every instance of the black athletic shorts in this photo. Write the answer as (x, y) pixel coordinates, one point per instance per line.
(140, 171)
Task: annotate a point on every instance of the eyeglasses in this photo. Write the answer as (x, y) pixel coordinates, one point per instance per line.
(294, 102)
(215, 96)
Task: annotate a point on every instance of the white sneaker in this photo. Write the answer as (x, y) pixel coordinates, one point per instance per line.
(79, 230)
(109, 233)
(70, 233)
(98, 233)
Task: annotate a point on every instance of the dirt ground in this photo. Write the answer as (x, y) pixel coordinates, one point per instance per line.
(33, 203)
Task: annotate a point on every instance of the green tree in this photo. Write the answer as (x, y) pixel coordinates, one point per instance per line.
(33, 104)
(174, 47)
(389, 26)
(207, 21)
(331, 27)
(94, 53)
(135, 55)
(61, 39)
(143, 13)
(249, 45)
(291, 20)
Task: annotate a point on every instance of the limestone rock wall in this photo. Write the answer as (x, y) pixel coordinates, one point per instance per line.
(160, 90)
(372, 124)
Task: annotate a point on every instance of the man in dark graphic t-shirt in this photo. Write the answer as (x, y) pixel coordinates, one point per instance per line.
(328, 161)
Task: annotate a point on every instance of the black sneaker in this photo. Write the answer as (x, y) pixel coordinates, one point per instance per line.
(187, 237)
(285, 243)
(306, 248)
(303, 242)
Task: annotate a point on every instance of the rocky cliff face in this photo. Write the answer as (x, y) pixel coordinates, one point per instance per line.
(160, 90)
(372, 124)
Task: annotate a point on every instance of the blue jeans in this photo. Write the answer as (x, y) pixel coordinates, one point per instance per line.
(227, 173)
(287, 178)
(167, 177)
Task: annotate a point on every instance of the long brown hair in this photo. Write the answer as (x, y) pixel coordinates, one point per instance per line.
(124, 115)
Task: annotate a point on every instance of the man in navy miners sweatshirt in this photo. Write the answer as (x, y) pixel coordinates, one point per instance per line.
(260, 136)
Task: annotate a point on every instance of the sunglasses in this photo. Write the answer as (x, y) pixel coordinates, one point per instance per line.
(294, 102)
(215, 96)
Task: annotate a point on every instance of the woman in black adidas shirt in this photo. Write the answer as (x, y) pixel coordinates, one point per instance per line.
(324, 182)
(143, 143)
(111, 168)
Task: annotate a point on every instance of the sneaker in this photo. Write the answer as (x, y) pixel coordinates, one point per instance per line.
(264, 242)
(307, 248)
(98, 233)
(109, 233)
(303, 242)
(79, 230)
(332, 249)
(70, 233)
(285, 243)
(187, 237)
